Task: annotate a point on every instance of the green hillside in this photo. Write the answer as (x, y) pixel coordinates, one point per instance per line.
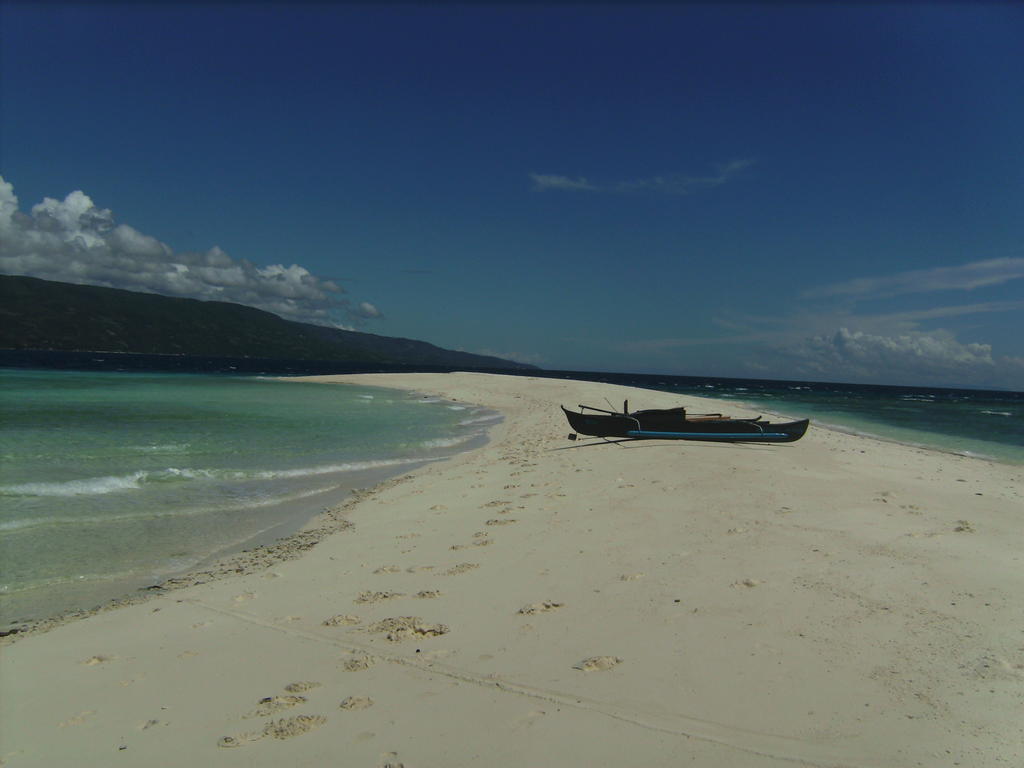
(45, 315)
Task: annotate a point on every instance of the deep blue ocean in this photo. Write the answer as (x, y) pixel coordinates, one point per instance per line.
(987, 424)
(117, 471)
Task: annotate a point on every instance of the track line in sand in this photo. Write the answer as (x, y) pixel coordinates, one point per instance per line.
(767, 745)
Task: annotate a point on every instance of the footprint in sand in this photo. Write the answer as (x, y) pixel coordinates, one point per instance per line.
(285, 728)
(244, 597)
(747, 583)
(357, 702)
(631, 576)
(359, 663)
(92, 661)
(77, 719)
(426, 594)
(302, 686)
(390, 760)
(388, 569)
(502, 521)
(542, 607)
(340, 620)
(241, 739)
(376, 597)
(461, 568)
(398, 628)
(289, 727)
(597, 663)
(529, 718)
(476, 543)
(272, 704)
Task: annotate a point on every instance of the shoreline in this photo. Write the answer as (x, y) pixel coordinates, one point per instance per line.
(816, 602)
(302, 528)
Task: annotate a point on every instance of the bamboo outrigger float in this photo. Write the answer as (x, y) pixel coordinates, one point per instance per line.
(674, 424)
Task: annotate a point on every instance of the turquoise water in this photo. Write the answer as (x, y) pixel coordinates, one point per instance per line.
(113, 481)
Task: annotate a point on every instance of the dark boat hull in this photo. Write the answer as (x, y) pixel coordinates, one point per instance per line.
(673, 425)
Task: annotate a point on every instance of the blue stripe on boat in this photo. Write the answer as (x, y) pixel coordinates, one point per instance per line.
(709, 435)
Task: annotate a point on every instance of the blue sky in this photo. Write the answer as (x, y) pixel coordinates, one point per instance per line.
(772, 190)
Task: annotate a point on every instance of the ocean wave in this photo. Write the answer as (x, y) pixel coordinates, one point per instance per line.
(998, 413)
(480, 419)
(98, 486)
(328, 469)
(92, 486)
(168, 448)
(28, 524)
(447, 442)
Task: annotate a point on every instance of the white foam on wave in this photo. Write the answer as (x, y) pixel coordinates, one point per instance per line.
(168, 448)
(327, 469)
(27, 524)
(448, 442)
(91, 486)
(480, 419)
(998, 413)
(97, 486)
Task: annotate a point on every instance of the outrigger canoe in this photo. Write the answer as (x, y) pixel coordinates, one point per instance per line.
(674, 424)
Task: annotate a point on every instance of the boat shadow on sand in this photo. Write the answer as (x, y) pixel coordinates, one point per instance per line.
(632, 443)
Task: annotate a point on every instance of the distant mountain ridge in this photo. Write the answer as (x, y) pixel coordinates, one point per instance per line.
(40, 314)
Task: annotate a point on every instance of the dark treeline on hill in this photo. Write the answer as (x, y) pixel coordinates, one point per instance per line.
(45, 315)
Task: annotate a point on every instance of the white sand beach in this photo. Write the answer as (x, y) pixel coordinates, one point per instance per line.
(838, 601)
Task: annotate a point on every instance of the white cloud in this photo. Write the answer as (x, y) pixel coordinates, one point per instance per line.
(367, 310)
(672, 184)
(965, 277)
(933, 357)
(683, 185)
(74, 241)
(842, 346)
(549, 181)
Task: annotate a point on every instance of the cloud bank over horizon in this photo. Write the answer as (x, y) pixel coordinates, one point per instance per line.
(74, 241)
(936, 357)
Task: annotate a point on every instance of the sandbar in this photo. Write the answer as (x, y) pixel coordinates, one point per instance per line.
(838, 601)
